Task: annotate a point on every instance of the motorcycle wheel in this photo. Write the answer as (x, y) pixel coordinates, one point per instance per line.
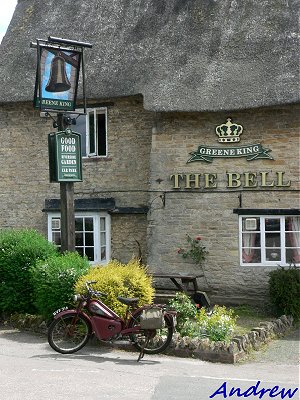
(69, 333)
(158, 339)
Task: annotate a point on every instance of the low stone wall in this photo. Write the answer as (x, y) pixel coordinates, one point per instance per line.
(237, 349)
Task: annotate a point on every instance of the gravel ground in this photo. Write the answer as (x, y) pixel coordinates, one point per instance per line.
(285, 350)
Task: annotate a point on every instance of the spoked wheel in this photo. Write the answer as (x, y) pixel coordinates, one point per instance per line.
(69, 333)
(157, 340)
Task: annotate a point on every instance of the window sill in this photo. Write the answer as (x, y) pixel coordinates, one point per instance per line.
(269, 265)
(95, 159)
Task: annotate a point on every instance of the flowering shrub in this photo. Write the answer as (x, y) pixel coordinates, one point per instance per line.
(118, 279)
(217, 325)
(195, 250)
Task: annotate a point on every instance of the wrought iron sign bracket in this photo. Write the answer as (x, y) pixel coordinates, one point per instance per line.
(67, 119)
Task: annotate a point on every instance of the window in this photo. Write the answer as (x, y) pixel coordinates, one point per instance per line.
(269, 240)
(92, 235)
(93, 129)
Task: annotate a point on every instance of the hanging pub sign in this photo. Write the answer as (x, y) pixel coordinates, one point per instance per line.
(65, 161)
(58, 68)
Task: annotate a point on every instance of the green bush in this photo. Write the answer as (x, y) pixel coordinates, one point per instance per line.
(54, 280)
(186, 310)
(117, 279)
(19, 250)
(284, 290)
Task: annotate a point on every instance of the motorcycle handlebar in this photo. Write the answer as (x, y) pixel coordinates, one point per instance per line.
(92, 291)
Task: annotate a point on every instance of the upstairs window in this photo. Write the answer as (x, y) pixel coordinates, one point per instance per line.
(269, 240)
(93, 130)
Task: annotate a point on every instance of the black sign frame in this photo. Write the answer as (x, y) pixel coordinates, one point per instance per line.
(68, 57)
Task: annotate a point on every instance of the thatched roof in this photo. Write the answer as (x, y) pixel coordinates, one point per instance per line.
(189, 55)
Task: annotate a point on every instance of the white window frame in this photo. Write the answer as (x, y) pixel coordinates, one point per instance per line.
(97, 233)
(95, 111)
(264, 261)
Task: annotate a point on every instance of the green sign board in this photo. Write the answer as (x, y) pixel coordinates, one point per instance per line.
(208, 153)
(56, 104)
(65, 161)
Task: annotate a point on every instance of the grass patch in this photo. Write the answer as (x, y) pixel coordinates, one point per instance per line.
(249, 318)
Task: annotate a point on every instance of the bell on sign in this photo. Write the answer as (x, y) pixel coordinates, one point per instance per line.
(58, 81)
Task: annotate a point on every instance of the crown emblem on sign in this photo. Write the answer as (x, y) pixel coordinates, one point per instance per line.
(229, 133)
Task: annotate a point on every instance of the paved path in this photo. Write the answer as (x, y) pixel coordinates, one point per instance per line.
(31, 370)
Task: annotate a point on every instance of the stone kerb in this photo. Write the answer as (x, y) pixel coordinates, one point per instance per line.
(236, 349)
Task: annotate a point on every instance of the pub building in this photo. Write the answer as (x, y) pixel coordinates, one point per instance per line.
(192, 128)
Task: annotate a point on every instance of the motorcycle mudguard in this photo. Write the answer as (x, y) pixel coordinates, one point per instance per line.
(61, 313)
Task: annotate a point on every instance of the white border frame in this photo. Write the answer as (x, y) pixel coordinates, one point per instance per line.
(99, 110)
(264, 262)
(96, 217)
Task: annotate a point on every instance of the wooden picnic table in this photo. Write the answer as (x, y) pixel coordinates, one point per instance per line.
(182, 281)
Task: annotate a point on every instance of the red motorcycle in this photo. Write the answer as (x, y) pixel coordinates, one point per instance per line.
(150, 327)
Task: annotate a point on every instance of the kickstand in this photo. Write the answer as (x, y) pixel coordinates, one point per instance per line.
(141, 355)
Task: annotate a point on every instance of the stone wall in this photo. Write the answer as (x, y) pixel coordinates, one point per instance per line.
(128, 237)
(123, 175)
(237, 349)
(144, 150)
(208, 212)
(24, 176)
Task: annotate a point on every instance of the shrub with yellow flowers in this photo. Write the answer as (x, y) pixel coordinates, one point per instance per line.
(117, 279)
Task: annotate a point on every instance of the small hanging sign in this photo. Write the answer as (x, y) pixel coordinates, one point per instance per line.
(65, 160)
